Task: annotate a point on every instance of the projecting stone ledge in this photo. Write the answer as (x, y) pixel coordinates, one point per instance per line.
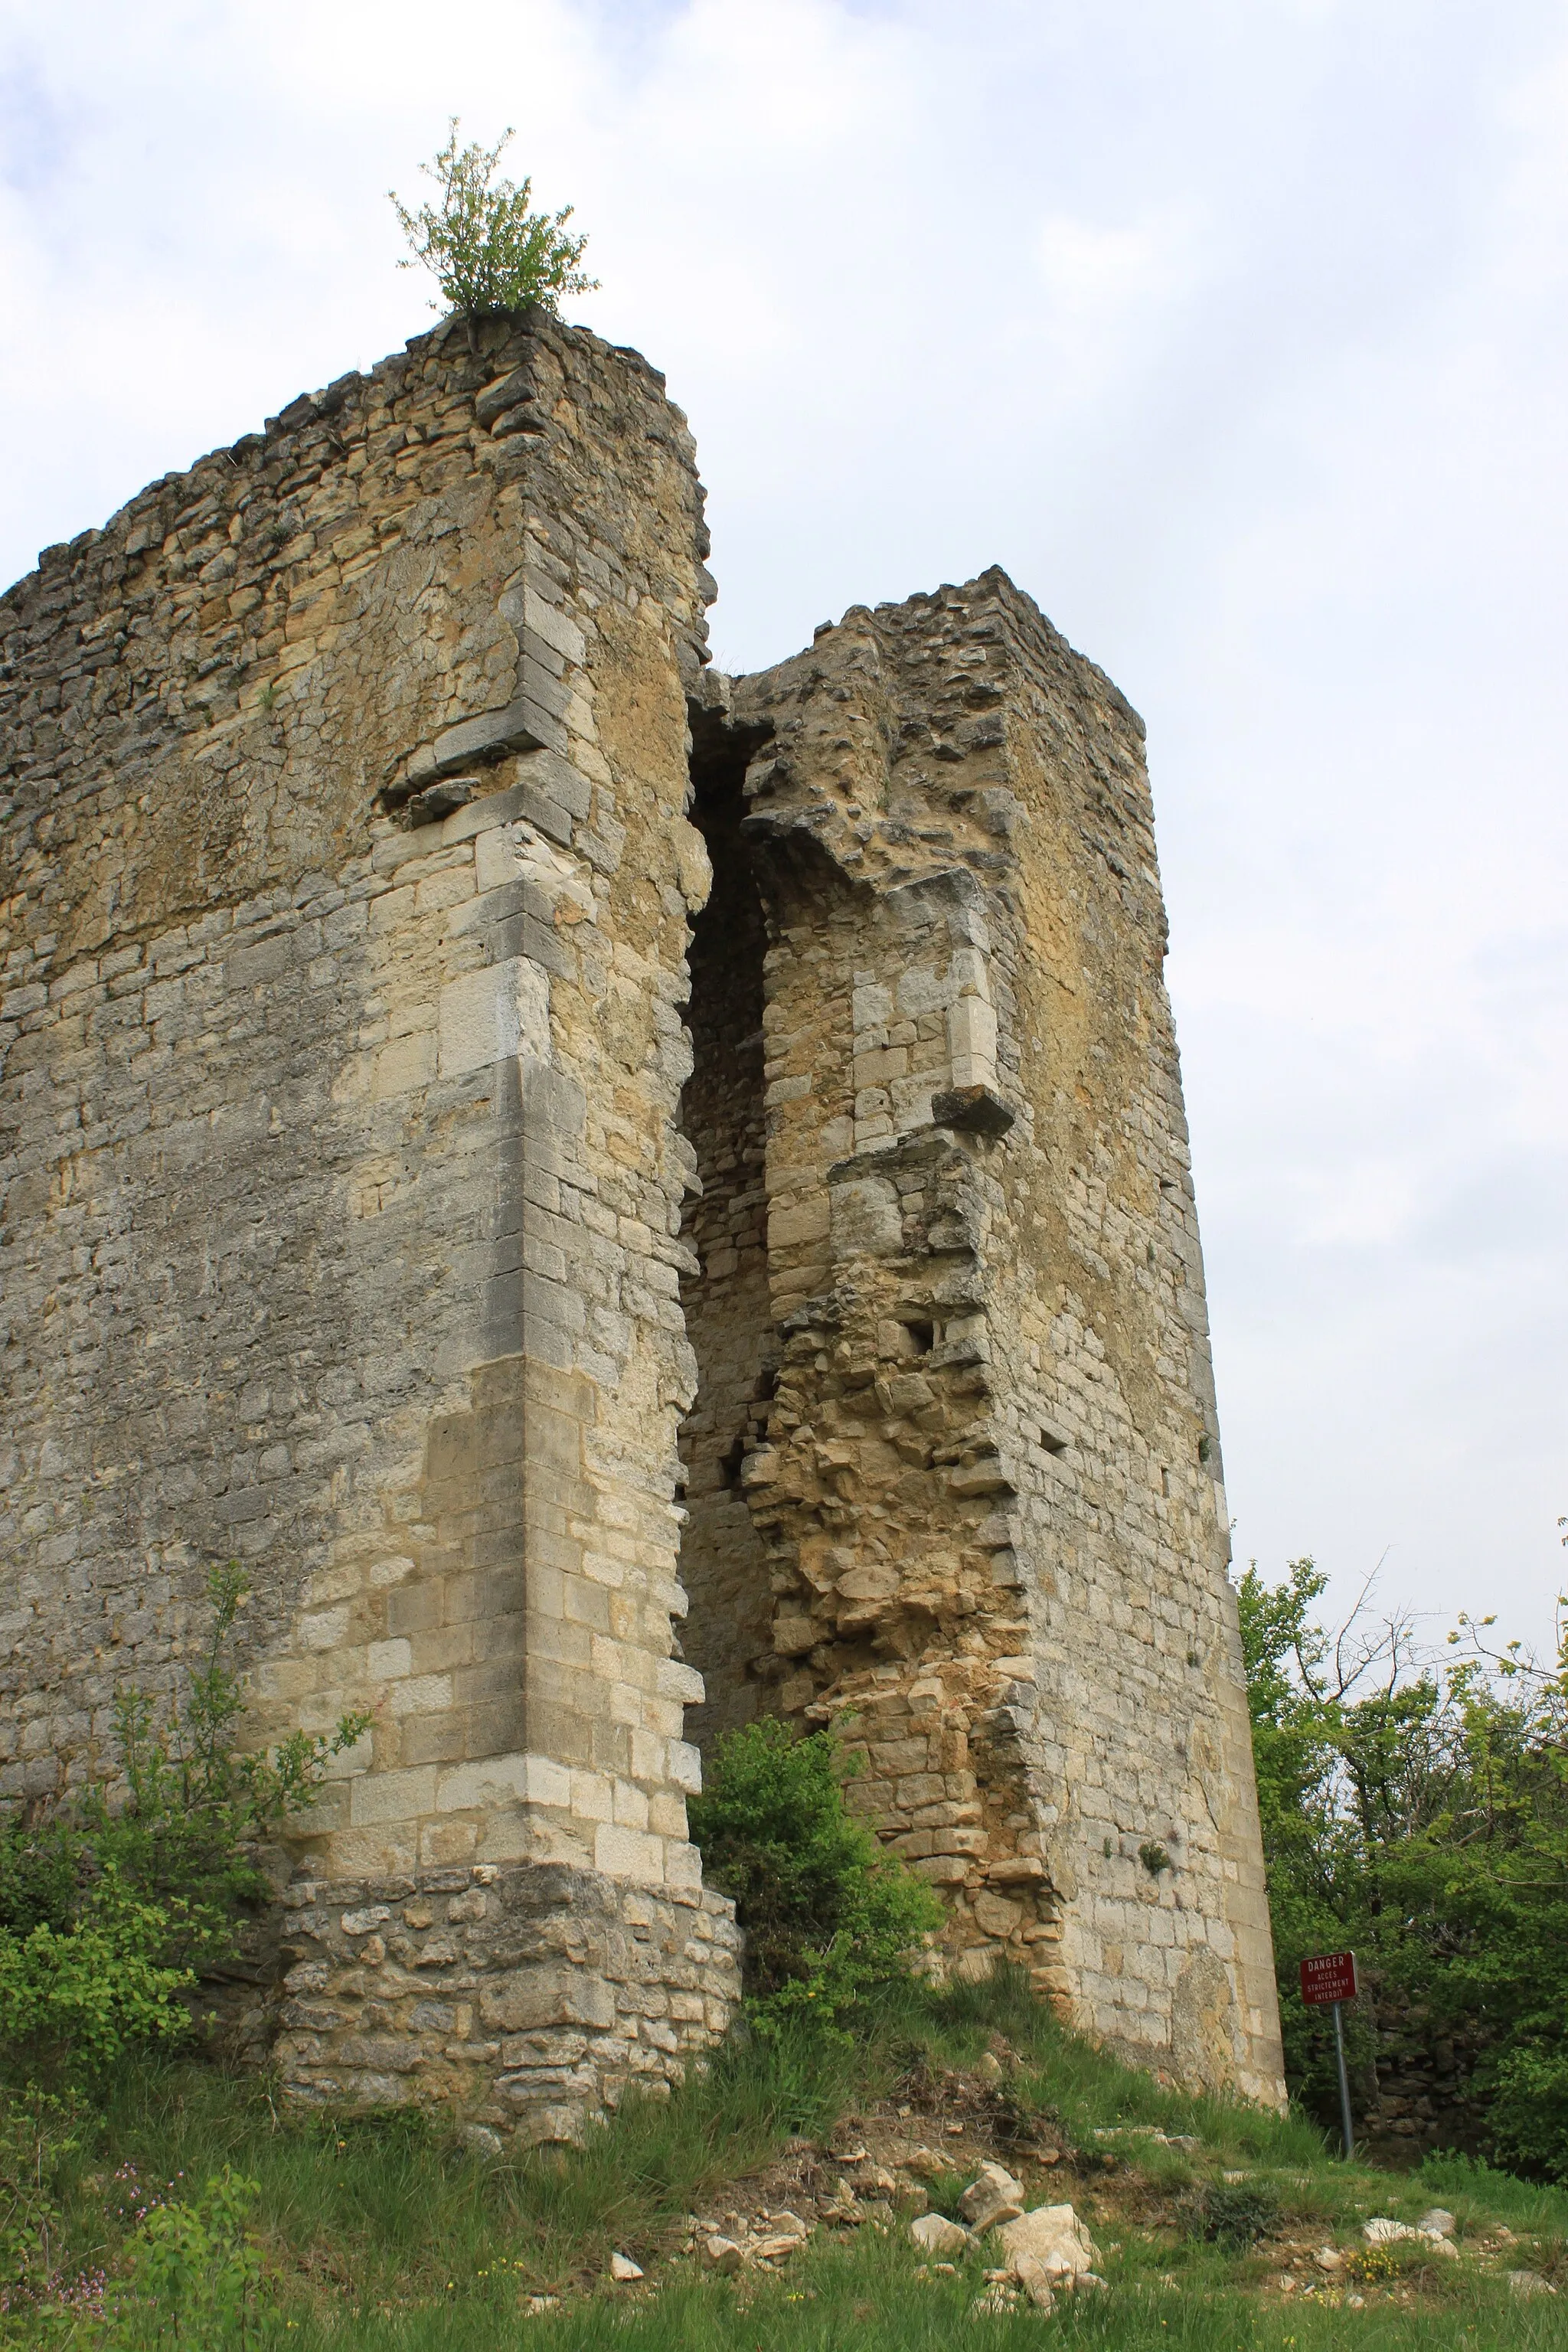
(522, 726)
(975, 1110)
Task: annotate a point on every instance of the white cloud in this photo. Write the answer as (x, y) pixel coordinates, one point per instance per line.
(1236, 331)
(1108, 290)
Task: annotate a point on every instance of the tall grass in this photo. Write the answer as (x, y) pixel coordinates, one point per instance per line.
(866, 2297)
(1470, 2185)
(394, 2204)
(1086, 2090)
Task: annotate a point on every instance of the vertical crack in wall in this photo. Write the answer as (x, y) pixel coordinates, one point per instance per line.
(728, 1320)
(847, 1552)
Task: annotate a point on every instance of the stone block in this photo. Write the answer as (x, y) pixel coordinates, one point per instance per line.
(802, 1222)
(677, 1681)
(400, 1067)
(487, 1016)
(548, 622)
(628, 1853)
(972, 1041)
(496, 1781)
(516, 726)
(533, 1998)
(391, 1797)
(865, 1219)
(420, 1694)
(324, 1629)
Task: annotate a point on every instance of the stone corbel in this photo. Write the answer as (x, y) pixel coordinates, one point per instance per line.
(972, 1110)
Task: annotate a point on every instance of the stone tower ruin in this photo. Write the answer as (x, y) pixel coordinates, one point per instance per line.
(629, 1200)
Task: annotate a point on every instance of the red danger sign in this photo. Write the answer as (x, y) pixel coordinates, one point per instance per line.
(1332, 1977)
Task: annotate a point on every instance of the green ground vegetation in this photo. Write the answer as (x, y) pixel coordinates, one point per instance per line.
(113, 1899)
(180, 2198)
(828, 1914)
(153, 2201)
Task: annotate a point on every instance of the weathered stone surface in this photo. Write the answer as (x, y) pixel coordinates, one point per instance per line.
(500, 1205)
(342, 1191)
(1035, 2281)
(1053, 2236)
(1527, 2286)
(954, 1472)
(935, 2235)
(994, 2196)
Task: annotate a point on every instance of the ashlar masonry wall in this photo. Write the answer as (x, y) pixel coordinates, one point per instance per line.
(344, 913)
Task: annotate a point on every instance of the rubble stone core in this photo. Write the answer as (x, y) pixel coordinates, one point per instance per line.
(372, 1213)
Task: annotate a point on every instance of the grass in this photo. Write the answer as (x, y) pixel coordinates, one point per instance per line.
(386, 2234)
(866, 2296)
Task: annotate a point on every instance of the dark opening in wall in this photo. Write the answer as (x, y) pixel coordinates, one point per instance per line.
(723, 1564)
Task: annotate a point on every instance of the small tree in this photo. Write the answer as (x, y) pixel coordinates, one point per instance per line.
(107, 1915)
(484, 249)
(1418, 1808)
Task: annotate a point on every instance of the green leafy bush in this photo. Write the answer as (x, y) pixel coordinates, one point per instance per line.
(1235, 2213)
(109, 1911)
(1417, 1809)
(101, 1983)
(195, 2273)
(828, 1914)
(39, 2136)
(1529, 2122)
(487, 252)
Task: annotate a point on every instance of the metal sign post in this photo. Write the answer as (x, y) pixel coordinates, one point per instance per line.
(1328, 1982)
(1345, 2122)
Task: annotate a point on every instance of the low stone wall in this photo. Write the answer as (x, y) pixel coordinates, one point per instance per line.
(1421, 2097)
(524, 1999)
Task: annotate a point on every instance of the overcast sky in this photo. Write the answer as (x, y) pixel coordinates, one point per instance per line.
(1235, 328)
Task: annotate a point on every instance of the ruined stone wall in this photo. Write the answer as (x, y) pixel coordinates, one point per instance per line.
(988, 1481)
(372, 1213)
(345, 911)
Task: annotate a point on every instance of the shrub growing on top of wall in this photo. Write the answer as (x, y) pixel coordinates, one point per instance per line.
(828, 1914)
(110, 1910)
(484, 249)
